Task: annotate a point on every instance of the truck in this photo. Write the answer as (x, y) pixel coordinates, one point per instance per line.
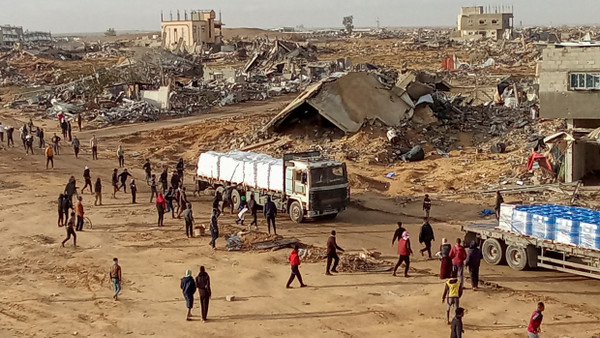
(576, 251)
(304, 185)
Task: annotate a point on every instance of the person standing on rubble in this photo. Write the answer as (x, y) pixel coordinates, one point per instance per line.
(88, 180)
(123, 178)
(49, 156)
(426, 205)
(94, 146)
(270, 211)
(426, 236)
(188, 216)
(115, 182)
(121, 156)
(458, 256)
(133, 188)
(56, 143)
(499, 201)
(98, 190)
(79, 120)
(148, 170)
(253, 207)
(295, 263)
(75, 143)
(332, 255)
(404, 252)
(203, 285)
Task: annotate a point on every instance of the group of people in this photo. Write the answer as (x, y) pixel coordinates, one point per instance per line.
(70, 215)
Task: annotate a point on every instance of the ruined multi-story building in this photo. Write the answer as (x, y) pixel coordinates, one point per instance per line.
(10, 35)
(569, 80)
(478, 22)
(199, 28)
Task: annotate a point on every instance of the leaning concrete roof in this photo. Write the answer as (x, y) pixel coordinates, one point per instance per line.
(348, 100)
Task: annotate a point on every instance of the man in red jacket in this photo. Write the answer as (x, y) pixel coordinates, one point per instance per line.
(458, 256)
(295, 262)
(404, 252)
(535, 322)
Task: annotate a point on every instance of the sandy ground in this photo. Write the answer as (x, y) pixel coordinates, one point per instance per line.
(49, 291)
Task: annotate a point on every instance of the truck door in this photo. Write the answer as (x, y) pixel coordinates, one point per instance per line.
(300, 182)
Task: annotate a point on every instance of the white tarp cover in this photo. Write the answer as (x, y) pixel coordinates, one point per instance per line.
(243, 168)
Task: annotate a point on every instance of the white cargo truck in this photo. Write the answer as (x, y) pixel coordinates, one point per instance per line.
(524, 239)
(305, 185)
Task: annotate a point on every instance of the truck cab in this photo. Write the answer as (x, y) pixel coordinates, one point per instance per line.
(314, 186)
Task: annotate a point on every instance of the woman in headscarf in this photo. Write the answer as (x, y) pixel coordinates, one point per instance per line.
(188, 285)
(404, 250)
(161, 206)
(446, 261)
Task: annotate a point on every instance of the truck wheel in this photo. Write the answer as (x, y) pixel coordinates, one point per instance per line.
(516, 257)
(493, 251)
(235, 199)
(296, 212)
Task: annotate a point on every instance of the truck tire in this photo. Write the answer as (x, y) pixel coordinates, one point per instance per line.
(235, 199)
(493, 251)
(296, 212)
(516, 257)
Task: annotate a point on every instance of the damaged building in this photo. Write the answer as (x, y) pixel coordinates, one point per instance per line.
(484, 22)
(569, 77)
(346, 101)
(193, 30)
(11, 35)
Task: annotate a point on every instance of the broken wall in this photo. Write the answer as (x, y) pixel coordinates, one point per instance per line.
(159, 98)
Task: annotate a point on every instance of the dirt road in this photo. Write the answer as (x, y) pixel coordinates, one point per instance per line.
(50, 291)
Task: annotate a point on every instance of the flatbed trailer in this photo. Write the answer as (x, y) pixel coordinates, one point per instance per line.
(521, 252)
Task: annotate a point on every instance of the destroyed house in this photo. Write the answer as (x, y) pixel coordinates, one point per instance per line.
(569, 81)
(346, 101)
(479, 22)
(10, 35)
(193, 30)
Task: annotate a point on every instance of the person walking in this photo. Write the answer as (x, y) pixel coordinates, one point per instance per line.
(473, 261)
(115, 182)
(70, 231)
(457, 324)
(71, 188)
(169, 197)
(56, 143)
(164, 180)
(253, 208)
(203, 285)
(332, 255)
(61, 213)
(453, 290)
(75, 144)
(214, 229)
(188, 286)
(28, 144)
(116, 277)
(94, 146)
(161, 206)
(98, 190)
(88, 179)
(270, 211)
(153, 190)
(133, 188)
(398, 233)
(188, 216)
(243, 209)
(426, 236)
(79, 121)
(535, 322)
(23, 134)
(9, 136)
(123, 179)
(458, 255)
(295, 264)
(121, 156)
(69, 131)
(183, 201)
(426, 205)
(79, 213)
(148, 170)
(175, 180)
(445, 260)
(404, 252)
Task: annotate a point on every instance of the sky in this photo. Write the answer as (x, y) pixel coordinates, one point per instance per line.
(71, 16)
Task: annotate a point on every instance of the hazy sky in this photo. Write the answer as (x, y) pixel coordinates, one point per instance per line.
(65, 16)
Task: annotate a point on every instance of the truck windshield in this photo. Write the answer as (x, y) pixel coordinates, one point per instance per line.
(327, 176)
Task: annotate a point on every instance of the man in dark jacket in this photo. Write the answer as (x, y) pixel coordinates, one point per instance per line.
(457, 324)
(226, 197)
(71, 188)
(123, 178)
(188, 216)
(203, 285)
(169, 197)
(270, 212)
(473, 261)
(253, 207)
(163, 179)
(332, 248)
(426, 236)
(179, 168)
(115, 181)
(398, 233)
(189, 290)
(214, 228)
(61, 212)
(88, 180)
(175, 180)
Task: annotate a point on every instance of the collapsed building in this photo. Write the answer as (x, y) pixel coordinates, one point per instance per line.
(488, 23)
(197, 31)
(11, 35)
